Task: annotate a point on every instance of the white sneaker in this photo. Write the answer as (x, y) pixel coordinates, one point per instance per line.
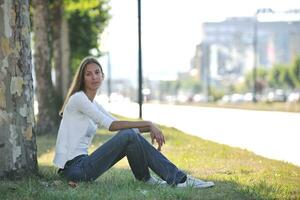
(154, 181)
(195, 183)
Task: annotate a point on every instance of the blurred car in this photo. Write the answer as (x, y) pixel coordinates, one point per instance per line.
(248, 97)
(225, 99)
(200, 98)
(236, 98)
(277, 96)
(294, 97)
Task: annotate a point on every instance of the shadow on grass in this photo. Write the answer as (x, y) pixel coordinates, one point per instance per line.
(116, 183)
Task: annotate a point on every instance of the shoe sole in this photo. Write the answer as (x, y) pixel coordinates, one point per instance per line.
(203, 186)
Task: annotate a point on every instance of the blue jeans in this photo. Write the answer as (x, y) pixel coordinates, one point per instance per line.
(140, 154)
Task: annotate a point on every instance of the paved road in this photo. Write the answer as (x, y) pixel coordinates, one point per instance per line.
(274, 135)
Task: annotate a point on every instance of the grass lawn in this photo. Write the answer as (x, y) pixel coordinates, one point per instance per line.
(237, 173)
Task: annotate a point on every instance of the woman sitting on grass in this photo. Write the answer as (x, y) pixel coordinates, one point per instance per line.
(80, 115)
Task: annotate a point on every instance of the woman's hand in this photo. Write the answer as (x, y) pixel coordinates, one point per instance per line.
(143, 126)
(157, 135)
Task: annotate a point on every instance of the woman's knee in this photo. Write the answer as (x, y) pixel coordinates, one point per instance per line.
(129, 133)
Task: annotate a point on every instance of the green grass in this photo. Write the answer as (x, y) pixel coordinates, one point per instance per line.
(237, 173)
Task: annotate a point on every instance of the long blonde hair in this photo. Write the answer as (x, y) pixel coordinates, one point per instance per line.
(78, 80)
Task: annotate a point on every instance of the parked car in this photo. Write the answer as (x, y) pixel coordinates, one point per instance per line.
(294, 97)
(277, 96)
(248, 97)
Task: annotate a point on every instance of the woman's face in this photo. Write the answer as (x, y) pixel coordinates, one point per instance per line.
(93, 77)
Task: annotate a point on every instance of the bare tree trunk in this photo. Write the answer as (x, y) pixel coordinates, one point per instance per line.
(17, 137)
(56, 24)
(61, 49)
(65, 58)
(47, 120)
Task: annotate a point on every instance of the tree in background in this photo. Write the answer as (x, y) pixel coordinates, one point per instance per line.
(86, 20)
(294, 73)
(168, 88)
(261, 79)
(273, 76)
(48, 118)
(18, 154)
(190, 85)
(279, 77)
(75, 28)
(60, 48)
(70, 32)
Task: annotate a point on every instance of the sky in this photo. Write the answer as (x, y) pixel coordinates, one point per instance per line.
(171, 30)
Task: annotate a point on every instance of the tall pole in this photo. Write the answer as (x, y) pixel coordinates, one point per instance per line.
(255, 42)
(255, 57)
(140, 73)
(108, 76)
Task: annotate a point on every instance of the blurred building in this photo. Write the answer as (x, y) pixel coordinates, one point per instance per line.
(120, 88)
(201, 61)
(226, 52)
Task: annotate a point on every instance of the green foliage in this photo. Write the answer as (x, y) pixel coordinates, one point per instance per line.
(273, 76)
(169, 87)
(216, 94)
(294, 73)
(87, 20)
(279, 76)
(187, 85)
(190, 84)
(240, 88)
(261, 77)
(80, 5)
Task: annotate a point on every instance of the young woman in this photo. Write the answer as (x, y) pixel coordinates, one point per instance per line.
(80, 117)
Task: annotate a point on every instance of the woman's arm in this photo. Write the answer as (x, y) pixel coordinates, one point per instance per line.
(143, 126)
(80, 102)
(144, 130)
(119, 125)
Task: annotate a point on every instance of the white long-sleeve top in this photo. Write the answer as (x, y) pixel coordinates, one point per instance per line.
(78, 126)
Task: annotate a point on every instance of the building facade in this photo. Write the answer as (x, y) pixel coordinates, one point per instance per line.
(228, 48)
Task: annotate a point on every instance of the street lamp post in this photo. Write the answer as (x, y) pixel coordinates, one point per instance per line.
(255, 42)
(108, 77)
(140, 73)
(108, 74)
(255, 56)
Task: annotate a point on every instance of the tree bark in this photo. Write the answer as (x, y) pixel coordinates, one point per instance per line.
(66, 75)
(18, 153)
(61, 49)
(56, 24)
(47, 120)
